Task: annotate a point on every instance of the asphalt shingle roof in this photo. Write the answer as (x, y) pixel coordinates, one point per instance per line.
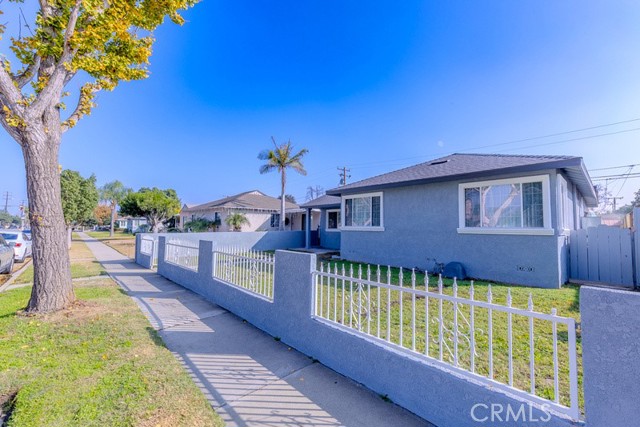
(456, 165)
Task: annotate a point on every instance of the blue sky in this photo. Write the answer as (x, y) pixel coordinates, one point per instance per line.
(372, 88)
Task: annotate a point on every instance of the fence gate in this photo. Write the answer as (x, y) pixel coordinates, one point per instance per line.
(603, 254)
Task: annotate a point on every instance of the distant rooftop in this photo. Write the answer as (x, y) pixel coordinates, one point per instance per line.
(461, 166)
(250, 200)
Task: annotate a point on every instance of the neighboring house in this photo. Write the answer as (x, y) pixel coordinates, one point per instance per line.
(327, 209)
(262, 211)
(506, 218)
(131, 224)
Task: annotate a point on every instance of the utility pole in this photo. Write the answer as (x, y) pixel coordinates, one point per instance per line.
(7, 197)
(614, 201)
(343, 175)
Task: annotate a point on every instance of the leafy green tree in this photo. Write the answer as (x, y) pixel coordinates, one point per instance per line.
(636, 200)
(6, 219)
(96, 45)
(79, 199)
(154, 204)
(236, 220)
(280, 159)
(113, 193)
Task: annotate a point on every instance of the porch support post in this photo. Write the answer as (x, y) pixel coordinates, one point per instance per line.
(307, 230)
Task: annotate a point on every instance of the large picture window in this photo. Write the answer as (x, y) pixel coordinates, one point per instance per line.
(363, 211)
(516, 205)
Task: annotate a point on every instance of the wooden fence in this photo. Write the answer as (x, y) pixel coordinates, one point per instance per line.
(603, 254)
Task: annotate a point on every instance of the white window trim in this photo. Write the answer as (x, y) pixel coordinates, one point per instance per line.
(271, 220)
(359, 228)
(545, 230)
(326, 224)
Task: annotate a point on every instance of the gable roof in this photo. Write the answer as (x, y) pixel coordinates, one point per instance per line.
(467, 166)
(249, 200)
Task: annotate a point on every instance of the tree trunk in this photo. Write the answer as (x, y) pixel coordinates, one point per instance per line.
(154, 223)
(282, 201)
(69, 233)
(52, 287)
(113, 218)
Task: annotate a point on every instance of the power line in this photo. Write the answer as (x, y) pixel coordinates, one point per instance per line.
(615, 177)
(575, 139)
(522, 140)
(623, 183)
(616, 167)
(558, 134)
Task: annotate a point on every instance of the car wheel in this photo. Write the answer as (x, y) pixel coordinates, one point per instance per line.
(10, 269)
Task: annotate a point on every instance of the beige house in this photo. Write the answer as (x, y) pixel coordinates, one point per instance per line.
(262, 211)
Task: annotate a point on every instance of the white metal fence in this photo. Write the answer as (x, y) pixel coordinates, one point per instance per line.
(245, 268)
(520, 351)
(184, 254)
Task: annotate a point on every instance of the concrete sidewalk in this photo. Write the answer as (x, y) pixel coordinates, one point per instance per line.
(250, 378)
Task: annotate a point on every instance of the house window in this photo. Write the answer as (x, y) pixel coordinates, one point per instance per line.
(333, 220)
(216, 217)
(363, 212)
(275, 220)
(510, 206)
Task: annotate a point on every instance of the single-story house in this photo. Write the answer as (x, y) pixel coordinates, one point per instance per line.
(262, 211)
(506, 218)
(130, 223)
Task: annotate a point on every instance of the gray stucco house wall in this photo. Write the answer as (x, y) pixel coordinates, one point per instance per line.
(420, 228)
(328, 239)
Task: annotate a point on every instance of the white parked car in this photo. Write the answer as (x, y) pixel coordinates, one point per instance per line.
(20, 242)
(6, 256)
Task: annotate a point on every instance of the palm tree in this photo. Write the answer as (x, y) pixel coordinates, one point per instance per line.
(113, 193)
(236, 220)
(282, 158)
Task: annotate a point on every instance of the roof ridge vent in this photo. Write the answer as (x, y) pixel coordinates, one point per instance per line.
(439, 162)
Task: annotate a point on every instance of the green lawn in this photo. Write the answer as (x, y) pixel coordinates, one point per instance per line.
(565, 300)
(96, 364)
(121, 242)
(118, 234)
(83, 264)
